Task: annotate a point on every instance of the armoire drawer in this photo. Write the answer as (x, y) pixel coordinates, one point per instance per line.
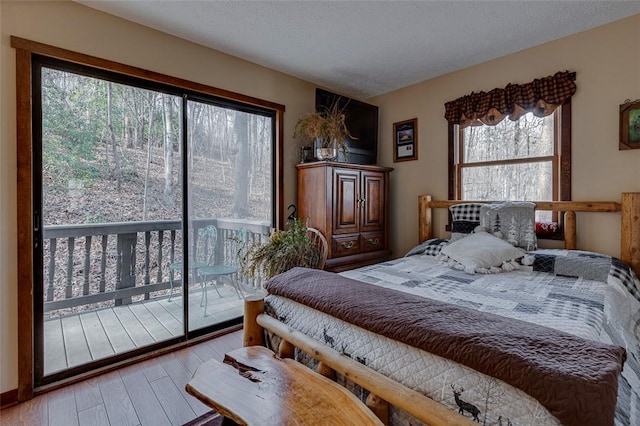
(345, 245)
(371, 241)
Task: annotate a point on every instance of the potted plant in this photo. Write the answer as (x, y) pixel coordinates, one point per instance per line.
(284, 250)
(325, 130)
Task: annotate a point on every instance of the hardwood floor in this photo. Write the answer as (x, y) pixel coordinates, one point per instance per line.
(148, 393)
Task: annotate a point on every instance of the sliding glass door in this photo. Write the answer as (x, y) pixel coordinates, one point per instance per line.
(145, 196)
(230, 203)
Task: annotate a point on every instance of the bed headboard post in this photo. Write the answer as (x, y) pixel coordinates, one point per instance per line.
(630, 241)
(570, 239)
(424, 218)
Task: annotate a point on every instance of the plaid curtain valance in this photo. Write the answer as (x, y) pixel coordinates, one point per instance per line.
(542, 96)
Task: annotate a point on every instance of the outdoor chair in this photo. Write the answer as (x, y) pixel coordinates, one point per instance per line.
(209, 264)
(224, 271)
(203, 247)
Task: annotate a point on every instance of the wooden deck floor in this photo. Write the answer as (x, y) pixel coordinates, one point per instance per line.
(81, 338)
(151, 392)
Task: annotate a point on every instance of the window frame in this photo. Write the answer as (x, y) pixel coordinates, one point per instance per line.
(561, 165)
(554, 158)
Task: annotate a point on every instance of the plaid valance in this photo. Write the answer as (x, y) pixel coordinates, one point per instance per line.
(542, 96)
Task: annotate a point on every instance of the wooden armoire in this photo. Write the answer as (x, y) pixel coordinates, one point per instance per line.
(349, 204)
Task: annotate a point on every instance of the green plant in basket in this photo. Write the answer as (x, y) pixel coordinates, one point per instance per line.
(284, 250)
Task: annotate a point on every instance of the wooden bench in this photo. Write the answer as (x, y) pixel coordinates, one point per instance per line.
(254, 387)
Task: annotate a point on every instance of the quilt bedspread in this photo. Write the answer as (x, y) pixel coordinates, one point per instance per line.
(604, 311)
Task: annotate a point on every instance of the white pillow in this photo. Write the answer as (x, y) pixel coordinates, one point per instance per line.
(481, 252)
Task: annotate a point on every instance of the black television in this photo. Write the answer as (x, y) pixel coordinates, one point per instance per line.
(362, 122)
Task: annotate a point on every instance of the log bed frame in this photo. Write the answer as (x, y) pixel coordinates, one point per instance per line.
(385, 391)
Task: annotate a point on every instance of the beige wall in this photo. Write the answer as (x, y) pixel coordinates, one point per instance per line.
(79, 28)
(606, 59)
(607, 62)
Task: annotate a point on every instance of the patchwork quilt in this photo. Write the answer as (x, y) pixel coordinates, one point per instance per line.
(586, 294)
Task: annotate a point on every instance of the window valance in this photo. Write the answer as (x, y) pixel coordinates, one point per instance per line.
(542, 96)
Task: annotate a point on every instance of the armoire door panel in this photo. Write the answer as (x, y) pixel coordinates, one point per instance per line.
(346, 205)
(373, 202)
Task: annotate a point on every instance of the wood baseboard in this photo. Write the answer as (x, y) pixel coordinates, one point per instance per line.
(8, 398)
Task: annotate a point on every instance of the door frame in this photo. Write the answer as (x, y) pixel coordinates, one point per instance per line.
(25, 49)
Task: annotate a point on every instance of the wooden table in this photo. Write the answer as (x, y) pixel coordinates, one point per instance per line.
(254, 387)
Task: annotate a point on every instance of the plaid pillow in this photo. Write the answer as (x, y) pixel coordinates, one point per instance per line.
(429, 247)
(464, 219)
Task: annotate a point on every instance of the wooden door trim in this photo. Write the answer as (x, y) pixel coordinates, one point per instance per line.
(24, 226)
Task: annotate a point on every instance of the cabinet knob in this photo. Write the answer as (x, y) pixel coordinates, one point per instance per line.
(373, 241)
(347, 245)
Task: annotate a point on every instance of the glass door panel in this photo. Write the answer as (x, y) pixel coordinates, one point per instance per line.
(230, 205)
(111, 211)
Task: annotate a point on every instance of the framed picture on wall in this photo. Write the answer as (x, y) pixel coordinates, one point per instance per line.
(405, 140)
(630, 125)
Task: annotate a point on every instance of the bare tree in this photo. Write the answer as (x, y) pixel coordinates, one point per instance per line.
(134, 121)
(241, 129)
(168, 146)
(152, 102)
(114, 145)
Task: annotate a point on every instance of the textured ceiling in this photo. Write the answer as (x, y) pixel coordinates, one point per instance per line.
(367, 48)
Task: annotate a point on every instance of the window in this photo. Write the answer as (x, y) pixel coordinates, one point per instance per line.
(512, 143)
(526, 159)
(513, 160)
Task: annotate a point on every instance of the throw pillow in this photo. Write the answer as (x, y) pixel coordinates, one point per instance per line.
(481, 252)
(465, 218)
(513, 221)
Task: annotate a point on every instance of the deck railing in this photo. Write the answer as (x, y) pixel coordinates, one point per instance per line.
(89, 264)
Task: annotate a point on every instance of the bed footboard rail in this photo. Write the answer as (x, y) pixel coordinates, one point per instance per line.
(383, 390)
